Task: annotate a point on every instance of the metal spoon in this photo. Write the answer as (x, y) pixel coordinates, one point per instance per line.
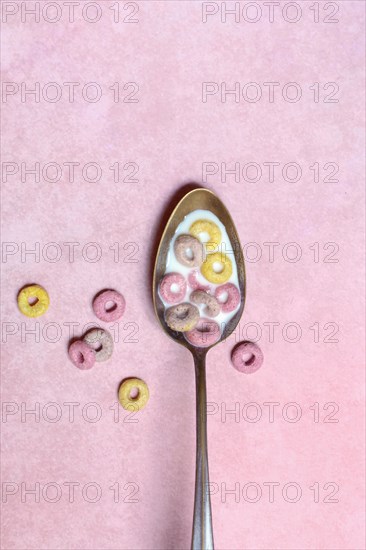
(202, 535)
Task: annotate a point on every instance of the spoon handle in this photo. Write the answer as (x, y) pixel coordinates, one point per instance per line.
(202, 536)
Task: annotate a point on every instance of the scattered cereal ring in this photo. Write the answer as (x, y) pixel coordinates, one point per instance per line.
(189, 251)
(249, 364)
(193, 283)
(112, 313)
(82, 355)
(212, 308)
(233, 297)
(166, 288)
(39, 306)
(133, 403)
(207, 268)
(105, 341)
(206, 226)
(182, 317)
(206, 333)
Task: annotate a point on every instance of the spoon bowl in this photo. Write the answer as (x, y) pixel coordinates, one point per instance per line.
(203, 199)
(199, 199)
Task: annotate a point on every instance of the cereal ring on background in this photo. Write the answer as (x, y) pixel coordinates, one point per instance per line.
(207, 268)
(137, 402)
(189, 251)
(112, 313)
(194, 284)
(40, 304)
(233, 297)
(212, 308)
(82, 355)
(207, 226)
(252, 362)
(167, 291)
(105, 341)
(182, 317)
(206, 333)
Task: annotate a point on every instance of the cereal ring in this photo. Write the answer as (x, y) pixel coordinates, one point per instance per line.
(39, 306)
(82, 355)
(189, 251)
(212, 308)
(206, 226)
(193, 283)
(210, 274)
(166, 288)
(206, 333)
(133, 403)
(249, 364)
(105, 341)
(182, 317)
(112, 313)
(233, 297)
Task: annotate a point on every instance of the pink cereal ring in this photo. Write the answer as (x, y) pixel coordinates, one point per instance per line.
(194, 284)
(166, 285)
(105, 313)
(205, 333)
(233, 296)
(82, 355)
(247, 357)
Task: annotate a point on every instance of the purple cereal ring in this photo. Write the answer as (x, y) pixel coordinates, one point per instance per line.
(112, 313)
(189, 251)
(166, 288)
(212, 306)
(247, 357)
(182, 317)
(193, 283)
(205, 333)
(233, 296)
(82, 355)
(102, 343)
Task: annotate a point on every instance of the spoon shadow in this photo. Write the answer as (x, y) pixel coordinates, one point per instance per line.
(175, 528)
(157, 232)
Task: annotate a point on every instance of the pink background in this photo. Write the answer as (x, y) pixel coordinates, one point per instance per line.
(169, 133)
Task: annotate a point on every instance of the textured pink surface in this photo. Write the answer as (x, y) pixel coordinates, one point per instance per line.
(169, 133)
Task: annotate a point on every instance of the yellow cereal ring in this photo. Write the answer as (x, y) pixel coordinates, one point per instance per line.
(206, 226)
(210, 274)
(39, 307)
(133, 403)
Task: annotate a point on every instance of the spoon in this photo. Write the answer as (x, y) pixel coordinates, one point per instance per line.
(202, 535)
